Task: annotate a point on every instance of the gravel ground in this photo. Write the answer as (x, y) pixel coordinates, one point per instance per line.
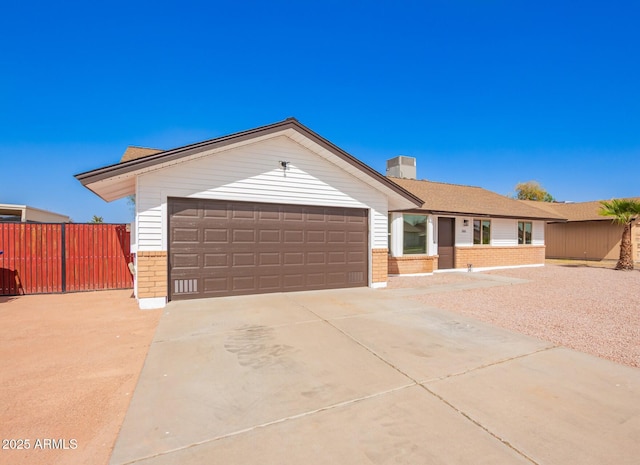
(593, 310)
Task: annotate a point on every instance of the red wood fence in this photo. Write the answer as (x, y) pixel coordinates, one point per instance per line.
(42, 258)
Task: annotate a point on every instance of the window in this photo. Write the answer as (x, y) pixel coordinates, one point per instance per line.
(524, 232)
(482, 231)
(415, 234)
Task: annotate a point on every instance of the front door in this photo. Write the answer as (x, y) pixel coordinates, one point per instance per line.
(446, 243)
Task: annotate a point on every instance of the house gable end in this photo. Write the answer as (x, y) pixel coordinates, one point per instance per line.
(116, 181)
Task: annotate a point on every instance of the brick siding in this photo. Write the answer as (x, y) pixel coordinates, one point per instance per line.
(152, 274)
(411, 264)
(489, 256)
(379, 265)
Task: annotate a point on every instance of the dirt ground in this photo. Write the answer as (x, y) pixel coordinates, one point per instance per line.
(70, 363)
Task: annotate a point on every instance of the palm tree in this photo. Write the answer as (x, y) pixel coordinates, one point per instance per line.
(623, 211)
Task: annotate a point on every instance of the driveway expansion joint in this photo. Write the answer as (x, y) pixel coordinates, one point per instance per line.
(440, 398)
(274, 422)
(480, 425)
(498, 362)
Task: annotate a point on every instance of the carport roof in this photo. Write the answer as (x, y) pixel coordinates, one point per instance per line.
(455, 199)
(118, 180)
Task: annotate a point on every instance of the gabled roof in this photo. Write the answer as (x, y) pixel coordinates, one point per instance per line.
(575, 211)
(116, 181)
(454, 199)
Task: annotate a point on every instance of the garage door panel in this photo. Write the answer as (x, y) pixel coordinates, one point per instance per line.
(244, 236)
(268, 214)
(186, 260)
(185, 210)
(216, 260)
(337, 258)
(356, 258)
(269, 236)
(336, 237)
(186, 234)
(217, 235)
(295, 214)
(243, 212)
(246, 248)
(316, 236)
(293, 258)
(294, 237)
(243, 283)
(316, 258)
(244, 259)
(336, 217)
(316, 279)
(357, 219)
(315, 217)
(355, 237)
(216, 285)
(293, 281)
(269, 258)
(336, 277)
(218, 211)
(269, 283)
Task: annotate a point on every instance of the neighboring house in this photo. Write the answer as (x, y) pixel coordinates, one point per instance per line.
(586, 235)
(27, 214)
(464, 227)
(272, 209)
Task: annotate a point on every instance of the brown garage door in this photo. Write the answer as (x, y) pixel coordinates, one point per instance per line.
(220, 248)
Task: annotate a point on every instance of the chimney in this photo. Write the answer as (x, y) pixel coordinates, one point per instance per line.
(402, 167)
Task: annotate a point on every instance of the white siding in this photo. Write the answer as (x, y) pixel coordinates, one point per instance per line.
(464, 234)
(504, 232)
(538, 233)
(253, 173)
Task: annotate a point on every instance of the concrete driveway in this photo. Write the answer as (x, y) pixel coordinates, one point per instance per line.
(369, 377)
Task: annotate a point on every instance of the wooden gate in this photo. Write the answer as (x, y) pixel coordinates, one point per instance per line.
(39, 258)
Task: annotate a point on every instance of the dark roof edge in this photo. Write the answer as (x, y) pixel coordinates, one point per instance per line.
(482, 215)
(181, 152)
(357, 163)
(581, 220)
(173, 154)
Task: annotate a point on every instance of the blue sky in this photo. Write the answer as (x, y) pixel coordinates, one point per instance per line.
(487, 93)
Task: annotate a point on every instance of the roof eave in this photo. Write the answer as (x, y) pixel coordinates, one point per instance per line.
(481, 215)
(130, 168)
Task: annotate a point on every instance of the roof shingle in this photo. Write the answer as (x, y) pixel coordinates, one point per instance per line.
(133, 153)
(575, 211)
(473, 201)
